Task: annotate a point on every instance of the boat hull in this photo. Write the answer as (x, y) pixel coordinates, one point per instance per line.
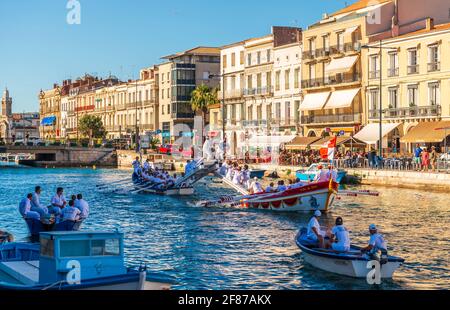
(350, 264)
(312, 197)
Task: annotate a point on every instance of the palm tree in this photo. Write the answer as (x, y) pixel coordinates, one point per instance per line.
(201, 98)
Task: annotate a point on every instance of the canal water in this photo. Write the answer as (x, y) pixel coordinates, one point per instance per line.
(235, 249)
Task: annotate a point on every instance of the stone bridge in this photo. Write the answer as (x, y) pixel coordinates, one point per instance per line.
(64, 156)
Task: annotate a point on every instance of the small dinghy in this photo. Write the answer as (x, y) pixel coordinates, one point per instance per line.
(351, 264)
(74, 261)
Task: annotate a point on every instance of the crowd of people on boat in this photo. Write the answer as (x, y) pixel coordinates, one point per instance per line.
(76, 209)
(241, 176)
(338, 237)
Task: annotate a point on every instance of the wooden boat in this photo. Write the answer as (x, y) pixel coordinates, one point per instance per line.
(309, 174)
(351, 264)
(311, 197)
(36, 227)
(73, 261)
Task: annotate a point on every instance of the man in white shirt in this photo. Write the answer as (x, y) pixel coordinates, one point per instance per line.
(246, 177)
(36, 202)
(322, 176)
(256, 187)
(70, 213)
(376, 242)
(237, 177)
(147, 165)
(340, 237)
(83, 206)
(314, 233)
(25, 208)
(136, 165)
(58, 202)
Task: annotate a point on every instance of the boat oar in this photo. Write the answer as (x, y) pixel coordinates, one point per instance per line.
(358, 193)
(112, 183)
(143, 188)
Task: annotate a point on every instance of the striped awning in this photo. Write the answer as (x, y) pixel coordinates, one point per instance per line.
(301, 143)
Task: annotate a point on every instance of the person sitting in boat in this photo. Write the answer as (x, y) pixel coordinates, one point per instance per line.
(376, 243)
(281, 186)
(58, 202)
(230, 172)
(322, 176)
(271, 188)
(340, 237)
(70, 213)
(256, 187)
(25, 208)
(314, 233)
(83, 206)
(136, 165)
(36, 205)
(147, 165)
(297, 184)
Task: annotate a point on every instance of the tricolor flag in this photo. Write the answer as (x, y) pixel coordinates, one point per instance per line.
(327, 151)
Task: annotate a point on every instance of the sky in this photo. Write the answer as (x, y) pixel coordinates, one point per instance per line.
(119, 37)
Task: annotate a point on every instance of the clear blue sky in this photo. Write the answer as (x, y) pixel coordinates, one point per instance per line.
(38, 47)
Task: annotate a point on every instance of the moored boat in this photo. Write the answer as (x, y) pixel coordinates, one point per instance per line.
(309, 174)
(351, 264)
(73, 261)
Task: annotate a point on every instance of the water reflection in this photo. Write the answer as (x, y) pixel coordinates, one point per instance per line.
(235, 249)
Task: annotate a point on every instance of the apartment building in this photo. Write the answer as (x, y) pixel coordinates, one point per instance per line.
(50, 113)
(180, 75)
(415, 80)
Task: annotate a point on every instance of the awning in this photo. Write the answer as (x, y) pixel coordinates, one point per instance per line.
(342, 98)
(342, 140)
(301, 143)
(371, 133)
(351, 29)
(314, 101)
(341, 65)
(272, 141)
(48, 121)
(427, 132)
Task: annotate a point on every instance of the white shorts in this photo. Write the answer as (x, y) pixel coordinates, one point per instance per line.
(339, 247)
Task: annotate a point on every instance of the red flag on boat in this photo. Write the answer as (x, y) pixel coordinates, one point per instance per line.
(327, 152)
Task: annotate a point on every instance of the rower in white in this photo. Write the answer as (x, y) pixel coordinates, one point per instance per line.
(376, 243)
(340, 237)
(314, 232)
(25, 209)
(36, 205)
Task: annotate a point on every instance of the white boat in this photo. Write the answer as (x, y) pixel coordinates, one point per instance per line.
(352, 264)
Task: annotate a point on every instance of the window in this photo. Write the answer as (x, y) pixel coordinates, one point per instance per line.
(374, 97)
(277, 80)
(242, 57)
(233, 59)
(287, 111)
(340, 41)
(259, 112)
(269, 58)
(433, 58)
(250, 113)
(259, 81)
(269, 80)
(168, 109)
(108, 247)
(287, 75)
(312, 46)
(224, 61)
(374, 67)
(74, 248)
(249, 59)
(413, 92)
(233, 82)
(393, 97)
(278, 110)
(393, 64)
(250, 81)
(258, 58)
(297, 78)
(434, 94)
(413, 66)
(326, 43)
(312, 72)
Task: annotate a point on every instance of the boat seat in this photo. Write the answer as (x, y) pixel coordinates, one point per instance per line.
(27, 272)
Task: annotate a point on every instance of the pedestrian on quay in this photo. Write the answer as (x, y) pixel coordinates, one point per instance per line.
(425, 160)
(418, 156)
(433, 158)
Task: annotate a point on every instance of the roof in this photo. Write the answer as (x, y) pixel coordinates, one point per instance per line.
(200, 50)
(361, 4)
(436, 28)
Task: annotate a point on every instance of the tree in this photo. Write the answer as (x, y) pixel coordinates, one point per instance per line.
(92, 127)
(201, 98)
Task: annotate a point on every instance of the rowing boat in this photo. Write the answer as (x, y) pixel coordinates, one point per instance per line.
(351, 264)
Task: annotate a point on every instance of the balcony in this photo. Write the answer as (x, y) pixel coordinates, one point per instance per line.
(374, 74)
(434, 66)
(414, 69)
(259, 91)
(85, 108)
(231, 94)
(393, 72)
(413, 112)
(349, 47)
(333, 80)
(255, 123)
(331, 119)
(284, 122)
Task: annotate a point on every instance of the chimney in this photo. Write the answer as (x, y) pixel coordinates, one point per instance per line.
(55, 85)
(430, 24)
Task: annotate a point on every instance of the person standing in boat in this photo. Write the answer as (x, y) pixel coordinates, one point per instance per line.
(237, 176)
(376, 243)
(256, 187)
(340, 237)
(25, 208)
(58, 202)
(36, 202)
(83, 206)
(246, 177)
(136, 166)
(314, 232)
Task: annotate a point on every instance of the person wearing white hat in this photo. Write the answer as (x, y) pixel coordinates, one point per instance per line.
(376, 242)
(256, 187)
(314, 233)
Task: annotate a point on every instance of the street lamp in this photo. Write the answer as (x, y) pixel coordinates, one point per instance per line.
(380, 48)
(224, 143)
